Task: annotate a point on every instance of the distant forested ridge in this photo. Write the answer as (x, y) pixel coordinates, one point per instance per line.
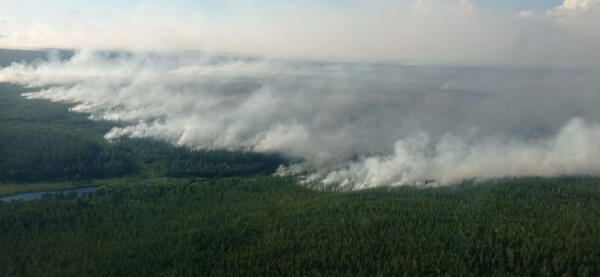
(43, 141)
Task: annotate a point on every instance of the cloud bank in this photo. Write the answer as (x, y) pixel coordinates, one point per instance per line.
(360, 125)
(424, 31)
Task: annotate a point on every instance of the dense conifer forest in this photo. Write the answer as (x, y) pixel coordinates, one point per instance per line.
(42, 141)
(269, 226)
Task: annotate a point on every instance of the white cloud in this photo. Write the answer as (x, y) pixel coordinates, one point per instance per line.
(526, 14)
(580, 11)
(577, 5)
(467, 4)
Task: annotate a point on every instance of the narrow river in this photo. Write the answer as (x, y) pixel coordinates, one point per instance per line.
(26, 196)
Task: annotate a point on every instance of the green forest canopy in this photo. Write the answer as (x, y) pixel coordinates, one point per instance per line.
(269, 226)
(43, 141)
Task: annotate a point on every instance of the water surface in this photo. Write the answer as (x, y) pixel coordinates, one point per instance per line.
(27, 196)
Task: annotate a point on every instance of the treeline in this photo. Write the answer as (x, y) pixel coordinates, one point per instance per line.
(43, 141)
(164, 159)
(268, 226)
(51, 155)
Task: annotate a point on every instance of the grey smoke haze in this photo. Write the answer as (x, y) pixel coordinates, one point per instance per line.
(433, 31)
(356, 124)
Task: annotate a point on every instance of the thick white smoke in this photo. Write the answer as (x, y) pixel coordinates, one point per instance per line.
(359, 125)
(573, 150)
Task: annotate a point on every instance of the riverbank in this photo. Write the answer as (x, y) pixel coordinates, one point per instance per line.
(28, 196)
(8, 189)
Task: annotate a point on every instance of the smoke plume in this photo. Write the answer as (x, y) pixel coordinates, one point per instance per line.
(358, 125)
